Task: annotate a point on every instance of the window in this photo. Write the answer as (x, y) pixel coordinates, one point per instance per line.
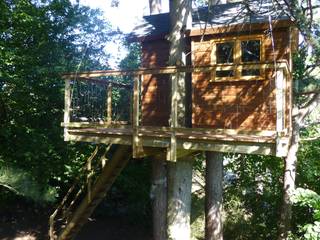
(250, 52)
(224, 54)
(233, 53)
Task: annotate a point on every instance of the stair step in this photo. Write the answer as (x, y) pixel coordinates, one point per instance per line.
(98, 191)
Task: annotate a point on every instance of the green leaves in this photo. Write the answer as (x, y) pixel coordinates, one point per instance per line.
(22, 183)
(308, 198)
(38, 42)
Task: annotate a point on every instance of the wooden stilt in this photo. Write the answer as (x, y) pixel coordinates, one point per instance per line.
(214, 190)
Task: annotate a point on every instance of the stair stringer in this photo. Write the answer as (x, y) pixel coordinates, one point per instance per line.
(104, 182)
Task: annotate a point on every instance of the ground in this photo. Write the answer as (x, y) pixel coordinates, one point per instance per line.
(20, 223)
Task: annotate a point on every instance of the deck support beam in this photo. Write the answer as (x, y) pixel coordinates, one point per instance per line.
(213, 198)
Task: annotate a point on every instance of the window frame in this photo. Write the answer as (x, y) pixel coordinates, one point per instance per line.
(237, 64)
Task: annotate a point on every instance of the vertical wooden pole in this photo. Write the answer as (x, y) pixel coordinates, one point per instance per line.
(159, 198)
(89, 179)
(136, 117)
(281, 143)
(280, 100)
(237, 59)
(131, 107)
(67, 107)
(109, 104)
(213, 198)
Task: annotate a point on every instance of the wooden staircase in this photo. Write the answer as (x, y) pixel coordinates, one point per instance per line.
(73, 218)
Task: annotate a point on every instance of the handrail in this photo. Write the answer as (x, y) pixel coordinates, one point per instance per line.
(174, 69)
(104, 82)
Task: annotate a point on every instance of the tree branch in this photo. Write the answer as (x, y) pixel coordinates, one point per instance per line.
(10, 188)
(307, 109)
(310, 139)
(309, 92)
(310, 124)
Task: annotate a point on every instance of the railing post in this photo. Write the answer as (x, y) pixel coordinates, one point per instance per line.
(67, 107)
(109, 104)
(137, 150)
(281, 142)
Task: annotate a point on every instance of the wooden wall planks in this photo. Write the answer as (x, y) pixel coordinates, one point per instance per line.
(230, 105)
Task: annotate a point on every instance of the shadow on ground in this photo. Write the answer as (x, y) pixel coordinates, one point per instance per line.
(19, 223)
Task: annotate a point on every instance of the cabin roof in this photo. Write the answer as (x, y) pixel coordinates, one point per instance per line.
(252, 11)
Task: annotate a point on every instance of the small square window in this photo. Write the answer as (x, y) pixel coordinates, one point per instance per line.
(250, 51)
(224, 52)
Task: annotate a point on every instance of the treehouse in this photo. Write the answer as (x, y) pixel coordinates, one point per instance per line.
(236, 95)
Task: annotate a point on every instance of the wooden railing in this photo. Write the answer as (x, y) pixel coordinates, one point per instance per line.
(282, 73)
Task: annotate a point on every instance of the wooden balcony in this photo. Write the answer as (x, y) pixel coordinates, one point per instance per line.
(173, 138)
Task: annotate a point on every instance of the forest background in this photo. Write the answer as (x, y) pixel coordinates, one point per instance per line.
(39, 40)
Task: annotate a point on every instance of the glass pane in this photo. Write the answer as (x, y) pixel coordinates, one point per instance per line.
(251, 72)
(224, 52)
(250, 51)
(224, 73)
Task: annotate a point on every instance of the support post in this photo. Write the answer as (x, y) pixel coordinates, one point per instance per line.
(109, 104)
(179, 199)
(213, 198)
(282, 143)
(159, 197)
(67, 107)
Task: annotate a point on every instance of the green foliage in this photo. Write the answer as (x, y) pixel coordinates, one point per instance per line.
(39, 40)
(311, 200)
(22, 183)
(252, 196)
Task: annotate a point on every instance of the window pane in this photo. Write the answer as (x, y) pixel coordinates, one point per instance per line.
(224, 52)
(224, 73)
(251, 72)
(250, 51)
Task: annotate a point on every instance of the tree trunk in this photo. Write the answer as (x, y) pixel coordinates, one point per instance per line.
(159, 174)
(155, 6)
(289, 185)
(159, 197)
(214, 192)
(179, 172)
(179, 199)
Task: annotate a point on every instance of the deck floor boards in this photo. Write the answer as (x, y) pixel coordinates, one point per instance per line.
(190, 134)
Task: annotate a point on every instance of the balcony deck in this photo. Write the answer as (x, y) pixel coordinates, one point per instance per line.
(172, 139)
(221, 140)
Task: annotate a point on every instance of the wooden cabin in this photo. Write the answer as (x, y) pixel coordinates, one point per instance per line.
(237, 98)
(238, 85)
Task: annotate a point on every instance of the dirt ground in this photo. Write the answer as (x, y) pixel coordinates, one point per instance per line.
(21, 224)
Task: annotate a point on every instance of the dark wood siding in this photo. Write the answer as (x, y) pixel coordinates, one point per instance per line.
(155, 88)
